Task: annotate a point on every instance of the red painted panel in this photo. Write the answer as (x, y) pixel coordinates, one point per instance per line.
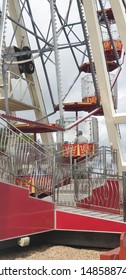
(21, 214)
(105, 198)
(69, 221)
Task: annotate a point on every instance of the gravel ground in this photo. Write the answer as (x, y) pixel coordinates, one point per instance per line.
(47, 252)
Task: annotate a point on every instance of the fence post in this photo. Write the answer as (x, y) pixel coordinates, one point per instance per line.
(124, 196)
(71, 169)
(104, 161)
(53, 177)
(75, 180)
(36, 178)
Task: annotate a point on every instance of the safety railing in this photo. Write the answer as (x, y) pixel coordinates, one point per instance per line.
(5, 172)
(91, 183)
(104, 161)
(95, 184)
(20, 157)
(99, 193)
(39, 179)
(24, 162)
(63, 182)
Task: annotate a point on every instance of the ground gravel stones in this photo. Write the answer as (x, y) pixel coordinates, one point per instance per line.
(47, 252)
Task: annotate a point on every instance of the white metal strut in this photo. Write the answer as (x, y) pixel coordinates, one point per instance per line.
(102, 76)
(34, 89)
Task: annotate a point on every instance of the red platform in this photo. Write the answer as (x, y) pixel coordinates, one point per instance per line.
(86, 105)
(28, 126)
(77, 222)
(21, 215)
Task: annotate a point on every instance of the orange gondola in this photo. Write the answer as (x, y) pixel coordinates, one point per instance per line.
(109, 15)
(108, 49)
(111, 66)
(80, 149)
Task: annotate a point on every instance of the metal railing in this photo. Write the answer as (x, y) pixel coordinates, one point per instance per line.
(26, 163)
(104, 161)
(94, 184)
(20, 157)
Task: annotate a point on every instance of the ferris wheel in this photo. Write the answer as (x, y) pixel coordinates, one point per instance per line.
(57, 58)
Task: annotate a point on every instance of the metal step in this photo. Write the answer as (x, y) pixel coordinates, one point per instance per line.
(85, 212)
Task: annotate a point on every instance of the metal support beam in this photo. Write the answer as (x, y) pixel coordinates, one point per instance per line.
(89, 51)
(41, 56)
(102, 76)
(109, 32)
(124, 196)
(119, 118)
(120, 19)
(35, 89)
(2, 43)
(57, 63)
